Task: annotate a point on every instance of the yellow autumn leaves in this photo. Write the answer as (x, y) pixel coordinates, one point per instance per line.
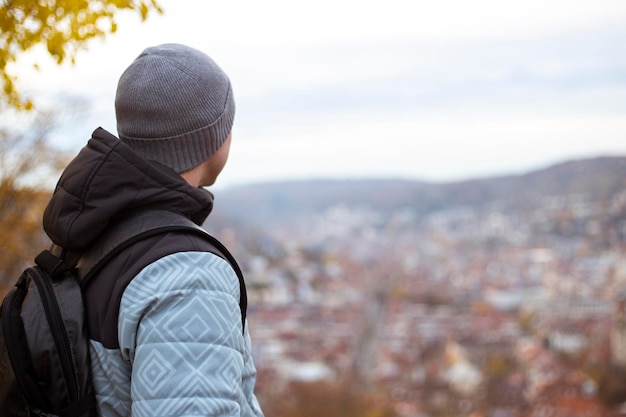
(62, 26)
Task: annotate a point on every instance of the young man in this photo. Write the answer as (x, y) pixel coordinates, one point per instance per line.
(166, 330)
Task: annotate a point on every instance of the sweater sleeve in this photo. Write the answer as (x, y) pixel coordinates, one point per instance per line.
(180, 329)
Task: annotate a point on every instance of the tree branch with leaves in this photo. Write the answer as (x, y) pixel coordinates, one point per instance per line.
(63, 27)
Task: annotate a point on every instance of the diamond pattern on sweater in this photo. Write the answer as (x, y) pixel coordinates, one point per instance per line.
(155, 372)
(180, 328)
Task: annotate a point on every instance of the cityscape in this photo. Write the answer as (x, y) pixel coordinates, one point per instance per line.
(498, 309)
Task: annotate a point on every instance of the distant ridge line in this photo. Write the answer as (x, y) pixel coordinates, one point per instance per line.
(595, 178)
(399, 179)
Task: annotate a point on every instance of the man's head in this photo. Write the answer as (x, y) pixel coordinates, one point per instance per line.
(174, 105)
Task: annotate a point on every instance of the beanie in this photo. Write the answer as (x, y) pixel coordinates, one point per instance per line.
(174, 105)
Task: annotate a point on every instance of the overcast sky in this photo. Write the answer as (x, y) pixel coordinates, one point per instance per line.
(431, 90)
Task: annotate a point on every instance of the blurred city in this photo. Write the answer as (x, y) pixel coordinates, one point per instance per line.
(437, 295)
(497, 297)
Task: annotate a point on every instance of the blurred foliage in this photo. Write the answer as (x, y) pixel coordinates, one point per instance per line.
(63, 27)
(27, 164)
(328, 399)
(612, 385)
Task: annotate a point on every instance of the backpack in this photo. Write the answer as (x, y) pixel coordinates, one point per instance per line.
(45, 370)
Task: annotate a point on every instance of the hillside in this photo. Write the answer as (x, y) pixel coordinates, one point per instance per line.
(595, 179)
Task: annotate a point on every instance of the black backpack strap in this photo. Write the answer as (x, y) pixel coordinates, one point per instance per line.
(147, 223)
(14, 336)
(38, 391)
(53, 264)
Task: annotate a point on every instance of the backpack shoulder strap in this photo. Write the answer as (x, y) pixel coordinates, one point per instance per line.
(143, 224)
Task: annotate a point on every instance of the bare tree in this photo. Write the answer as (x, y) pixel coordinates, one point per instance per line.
(28, 163)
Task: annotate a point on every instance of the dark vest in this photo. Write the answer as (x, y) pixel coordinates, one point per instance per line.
(103, 293)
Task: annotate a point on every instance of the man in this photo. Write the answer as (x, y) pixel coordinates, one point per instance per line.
(166, 330)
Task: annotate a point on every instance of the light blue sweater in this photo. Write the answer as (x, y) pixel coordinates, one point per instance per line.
(182, 349)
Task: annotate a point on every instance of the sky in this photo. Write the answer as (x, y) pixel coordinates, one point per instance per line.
(439, 91)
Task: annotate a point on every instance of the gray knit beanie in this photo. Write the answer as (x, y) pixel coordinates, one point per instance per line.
(174, 105)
